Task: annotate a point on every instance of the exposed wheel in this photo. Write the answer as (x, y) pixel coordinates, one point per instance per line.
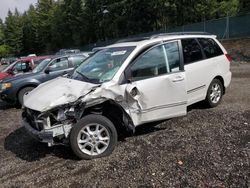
(214, 93)
(22, 92)
(93, 136)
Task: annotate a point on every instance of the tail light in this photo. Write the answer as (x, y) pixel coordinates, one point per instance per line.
(228, 58)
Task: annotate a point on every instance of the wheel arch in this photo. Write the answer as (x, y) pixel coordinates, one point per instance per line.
(220, 78)
(24, 86)
(115, 113)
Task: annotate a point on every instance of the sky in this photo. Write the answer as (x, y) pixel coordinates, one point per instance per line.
(21, 5)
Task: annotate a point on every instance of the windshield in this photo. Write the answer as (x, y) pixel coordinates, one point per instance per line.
(102, 66)
(41, 65)
(7, 67)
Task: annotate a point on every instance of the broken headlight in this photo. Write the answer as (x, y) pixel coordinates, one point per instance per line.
(74, 111)
(64, 114)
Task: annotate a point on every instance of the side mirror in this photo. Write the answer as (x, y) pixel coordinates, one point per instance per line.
(47, 70)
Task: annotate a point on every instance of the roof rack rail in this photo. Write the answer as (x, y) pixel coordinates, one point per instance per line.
(137, 39)
(134, 39)
(179, 33)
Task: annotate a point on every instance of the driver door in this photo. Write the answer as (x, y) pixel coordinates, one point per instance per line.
(157, 88)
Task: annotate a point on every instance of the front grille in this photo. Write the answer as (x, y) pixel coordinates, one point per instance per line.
(32, 118)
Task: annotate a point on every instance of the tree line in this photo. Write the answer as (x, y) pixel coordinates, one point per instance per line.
(54, 24)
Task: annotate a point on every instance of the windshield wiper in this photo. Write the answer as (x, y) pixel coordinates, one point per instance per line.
(95, 81)
(84, 77)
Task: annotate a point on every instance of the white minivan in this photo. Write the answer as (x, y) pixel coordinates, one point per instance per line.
(124, 85)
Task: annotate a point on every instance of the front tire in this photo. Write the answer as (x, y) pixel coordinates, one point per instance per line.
(92, 137)
(214, 93)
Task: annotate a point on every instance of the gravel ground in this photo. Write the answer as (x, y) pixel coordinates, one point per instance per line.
(206, 148)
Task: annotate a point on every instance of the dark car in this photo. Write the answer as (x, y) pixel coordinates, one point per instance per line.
(13, 89)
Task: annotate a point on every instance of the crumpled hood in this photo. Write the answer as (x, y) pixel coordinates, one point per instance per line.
(56, 92)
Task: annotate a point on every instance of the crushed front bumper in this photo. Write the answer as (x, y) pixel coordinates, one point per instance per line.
(42, 136)
(48, 135)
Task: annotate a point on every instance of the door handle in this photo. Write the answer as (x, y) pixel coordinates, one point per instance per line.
(177, 79)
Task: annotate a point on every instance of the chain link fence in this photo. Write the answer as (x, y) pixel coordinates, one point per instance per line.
(225, 28)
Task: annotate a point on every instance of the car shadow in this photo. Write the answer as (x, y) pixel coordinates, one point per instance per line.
(26, 148)
(198, 105)
(149, 128)
(143, 129)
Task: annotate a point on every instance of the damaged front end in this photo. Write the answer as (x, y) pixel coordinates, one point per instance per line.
(50, 118)
(53, 126)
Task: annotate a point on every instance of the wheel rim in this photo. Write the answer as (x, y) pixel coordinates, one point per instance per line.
(215, 93)
(93, 139)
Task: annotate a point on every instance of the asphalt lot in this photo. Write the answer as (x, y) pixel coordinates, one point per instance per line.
(206, 148)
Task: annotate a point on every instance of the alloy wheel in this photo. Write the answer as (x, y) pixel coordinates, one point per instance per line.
(93, 139)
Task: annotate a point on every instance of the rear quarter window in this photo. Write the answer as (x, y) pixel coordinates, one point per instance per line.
(210, 47)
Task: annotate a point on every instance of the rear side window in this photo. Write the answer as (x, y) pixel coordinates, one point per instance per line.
(22, 66)
(191, 51)
(59, 64)
(210, 47)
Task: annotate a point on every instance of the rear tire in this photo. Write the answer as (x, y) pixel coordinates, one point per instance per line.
(22, 92)
(92, 137)
(214, 93)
